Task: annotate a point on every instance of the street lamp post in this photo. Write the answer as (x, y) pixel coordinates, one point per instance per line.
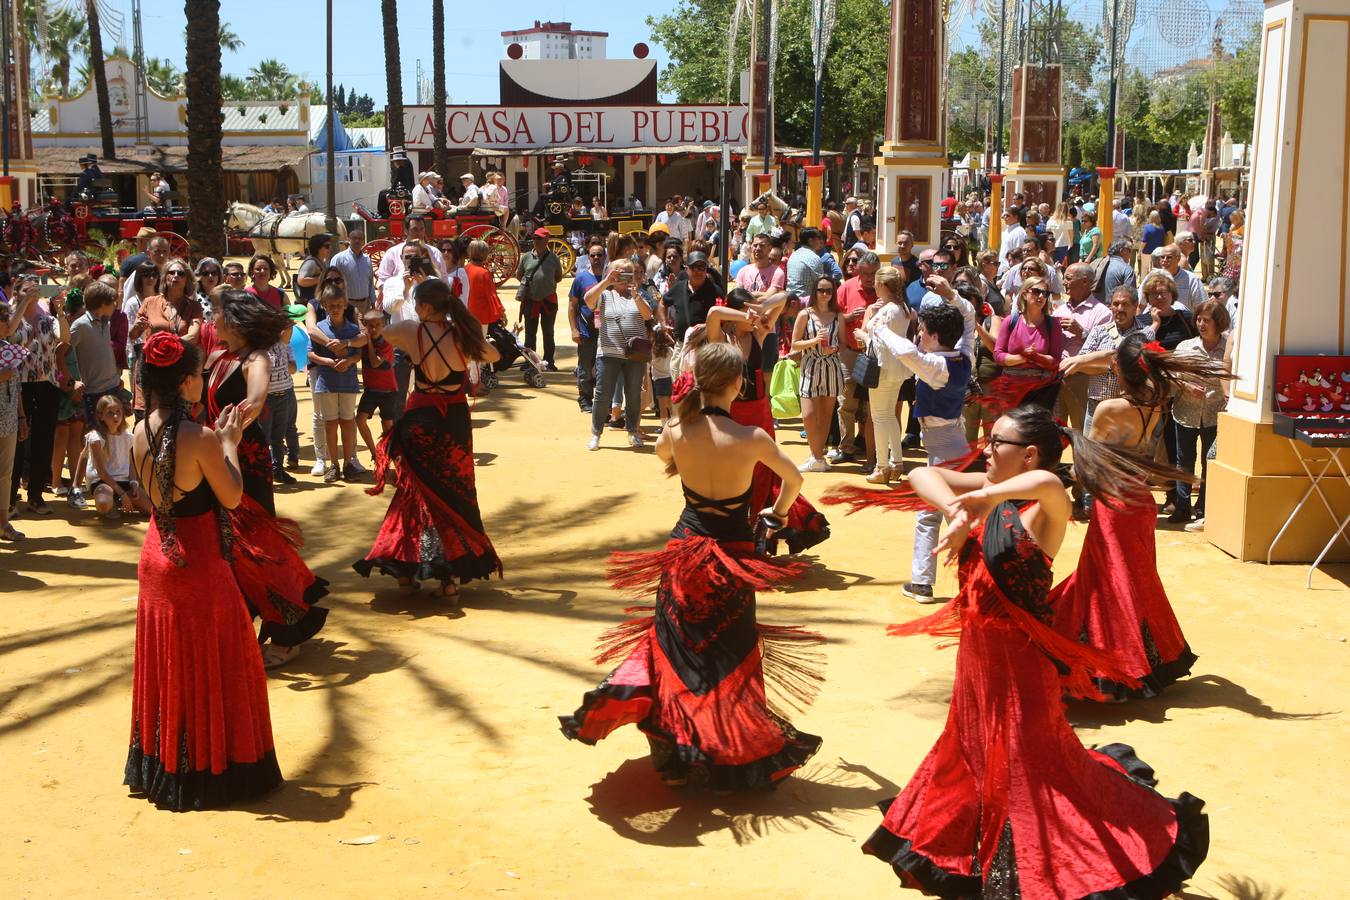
(1111, 99)
(330, 221)
(1002, 53)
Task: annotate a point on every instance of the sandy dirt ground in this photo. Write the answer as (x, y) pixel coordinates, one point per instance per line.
(422, 751)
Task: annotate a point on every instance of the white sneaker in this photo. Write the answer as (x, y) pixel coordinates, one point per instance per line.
(320, 466)
(635, 441)
(355, 464)
(1196, 527)
(814, 465)
(593, 443)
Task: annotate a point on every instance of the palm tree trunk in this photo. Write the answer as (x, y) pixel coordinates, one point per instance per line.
(205, 119)
(440, 153)
(393, 74)
(105, 126)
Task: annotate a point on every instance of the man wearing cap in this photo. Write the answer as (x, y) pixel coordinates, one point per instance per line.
(472, 198)
(539, 272)
(89, 176)
(424, 195)
(690, 296)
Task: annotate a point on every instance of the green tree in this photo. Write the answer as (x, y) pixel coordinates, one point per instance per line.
(694, 35)
(271, 80)
(163, 77)
(100, 80)
(233, 87)
(1236, 82)
(393, 77)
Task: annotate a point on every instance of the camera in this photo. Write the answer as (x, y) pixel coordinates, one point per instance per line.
(625, 277)
(417, 265)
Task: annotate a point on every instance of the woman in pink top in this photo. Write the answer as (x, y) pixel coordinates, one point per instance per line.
(1029, 348)
(262, 270)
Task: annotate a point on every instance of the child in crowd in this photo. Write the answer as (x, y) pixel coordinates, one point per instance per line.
(281, 405)
(68, 440)
(663, 350)
(377, 374)
(109, 473)
(942, 373)
(335, 384)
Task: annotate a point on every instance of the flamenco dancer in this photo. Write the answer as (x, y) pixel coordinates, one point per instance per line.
(433, 529)
(746, 325)
(693, 674)
(278, 585)
(1008, 802)
(1115, 600)
(201, 735)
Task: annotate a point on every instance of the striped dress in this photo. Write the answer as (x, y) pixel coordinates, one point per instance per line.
(822, 376)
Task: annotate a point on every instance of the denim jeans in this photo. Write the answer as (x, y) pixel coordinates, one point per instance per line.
(279, 425)
(586, 348)
(612, 369)
(942, 443)
(1186, 442)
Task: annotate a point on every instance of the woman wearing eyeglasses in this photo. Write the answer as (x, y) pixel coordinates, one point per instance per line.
(209, 276)
(1008, 795)
(1029, 350)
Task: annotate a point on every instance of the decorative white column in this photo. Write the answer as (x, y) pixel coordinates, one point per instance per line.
(1295, 291)
(913, 160)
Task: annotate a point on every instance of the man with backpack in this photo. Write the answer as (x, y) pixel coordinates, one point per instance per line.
(539, 272)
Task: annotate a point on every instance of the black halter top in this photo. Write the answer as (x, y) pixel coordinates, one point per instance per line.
(727, 519)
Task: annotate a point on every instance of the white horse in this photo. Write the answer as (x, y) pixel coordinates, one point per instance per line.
(278, 235)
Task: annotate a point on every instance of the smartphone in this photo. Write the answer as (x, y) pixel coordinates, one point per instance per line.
(49, 290)
(625, 277)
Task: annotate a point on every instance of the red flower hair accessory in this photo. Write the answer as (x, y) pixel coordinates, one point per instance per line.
(1155, 347)
(163, 348)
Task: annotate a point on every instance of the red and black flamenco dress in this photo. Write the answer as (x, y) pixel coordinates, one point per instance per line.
(201, 734)
(693, 674)
(806, 526)
(280, 589)
(433, 529)
(1115, 600)
(1009, 803)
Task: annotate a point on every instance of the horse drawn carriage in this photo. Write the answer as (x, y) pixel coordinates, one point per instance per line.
(485, 226)
(568, 233)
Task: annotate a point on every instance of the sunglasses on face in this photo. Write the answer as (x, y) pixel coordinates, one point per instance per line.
(235, 273)
(941, 266)
(1214, 293)
(824, 290)
(337, 280)
(175, 274)
(209, 273)
(1038, 292)
(596, 255)
(995, 442)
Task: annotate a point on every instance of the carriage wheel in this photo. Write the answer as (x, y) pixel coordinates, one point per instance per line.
(637, 234)
(503, 251)
(376, 249)
(566, 255)
(178, 245)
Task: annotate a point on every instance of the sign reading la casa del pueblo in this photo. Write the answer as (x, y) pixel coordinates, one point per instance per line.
(617, 127)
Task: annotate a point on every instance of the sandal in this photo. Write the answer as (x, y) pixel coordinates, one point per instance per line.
(10, 533)
(410, 583)
(448, 591)
(273, 655)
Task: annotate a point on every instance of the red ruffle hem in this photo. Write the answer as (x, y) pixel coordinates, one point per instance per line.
(806, 526)
(280, 589)
(1009, 803)
(433, 529)
(201, 735)
(1115, 600)
(694, 670)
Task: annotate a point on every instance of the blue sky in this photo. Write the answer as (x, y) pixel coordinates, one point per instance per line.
(293, 32)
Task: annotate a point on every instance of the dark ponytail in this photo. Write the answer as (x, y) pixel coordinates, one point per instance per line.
(467, 332)
(1101, 469)
(1151, 375)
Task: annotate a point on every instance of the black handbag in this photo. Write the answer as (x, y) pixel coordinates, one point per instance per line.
(867, 369)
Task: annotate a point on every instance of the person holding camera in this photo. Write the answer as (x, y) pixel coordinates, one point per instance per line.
(625, 348)
(539, 272)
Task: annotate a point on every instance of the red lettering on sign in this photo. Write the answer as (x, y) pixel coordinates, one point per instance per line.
(522, 130)
(711, 133)
(428, 132)
(450, 126)
(557, 120)
(688, 121)
(500, 128)
(656, 127)
(585, 128)
(642, 120)
(600, 136)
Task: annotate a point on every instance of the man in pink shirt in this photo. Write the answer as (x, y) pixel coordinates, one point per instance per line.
(761, 277)
(1080, 312)
(853, 297)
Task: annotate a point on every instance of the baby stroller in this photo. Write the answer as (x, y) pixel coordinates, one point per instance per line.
(510, 346)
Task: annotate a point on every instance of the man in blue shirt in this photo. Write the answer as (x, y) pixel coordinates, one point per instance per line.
(357, 273)
(804, 266)
(581, 318)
